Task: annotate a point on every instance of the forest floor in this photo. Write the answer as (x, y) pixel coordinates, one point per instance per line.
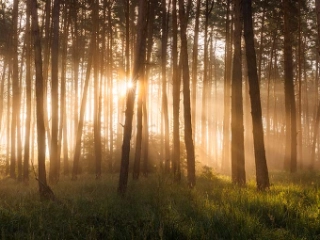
(158, 208)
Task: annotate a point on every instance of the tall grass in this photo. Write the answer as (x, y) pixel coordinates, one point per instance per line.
(158, 208)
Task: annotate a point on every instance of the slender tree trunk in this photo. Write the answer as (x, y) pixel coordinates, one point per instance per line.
(227, 79)
(195, 68)
(237, 128)
(54, 153)
(63, 135)
(15, 90)
(28, 98)
(176, 83)
(44, 190)
(317, 120)
(97, 86)
(290, 106)
(186, 97)
(262, 175)
(77, 151)
(165, 117)
(138, 67)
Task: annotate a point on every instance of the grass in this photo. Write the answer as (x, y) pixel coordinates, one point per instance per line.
(158, 208)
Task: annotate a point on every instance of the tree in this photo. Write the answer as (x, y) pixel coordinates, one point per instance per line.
(262, 175)
(290, 106)
(176, 84)
(317, 120)
(186, 97)
(137, 68)
(54, 153)
(44, 189)
(165, 117)
(28, 97)
(237, 128)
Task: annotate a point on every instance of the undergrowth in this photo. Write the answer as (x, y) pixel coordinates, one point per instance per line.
(158, 208)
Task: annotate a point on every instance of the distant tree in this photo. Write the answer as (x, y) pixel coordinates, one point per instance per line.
(262, 175)
(237, 127)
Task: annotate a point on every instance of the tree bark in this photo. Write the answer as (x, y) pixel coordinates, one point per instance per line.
(186, 98)
(262, 175)
(44, 190)
(54, 156)
(137, 68)
(237, 127)
(290, 106)
(176, 83)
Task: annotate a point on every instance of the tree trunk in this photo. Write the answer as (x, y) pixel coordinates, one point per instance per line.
(77, 150)
(262, 176)
(186, 98)
(176, 83)
(237, 128)
(165, 117)
(226, 109)
(26, 161)
(97, 86)
(138, 67)
(195, 68)
(290, 106)
(45, 191)
(54, 153)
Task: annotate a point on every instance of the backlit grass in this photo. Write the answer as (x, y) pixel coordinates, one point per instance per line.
(158, 208)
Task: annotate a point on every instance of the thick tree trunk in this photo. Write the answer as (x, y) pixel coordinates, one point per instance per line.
(262, 176)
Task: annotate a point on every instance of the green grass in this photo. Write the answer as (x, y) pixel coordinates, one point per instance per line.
(158, 208)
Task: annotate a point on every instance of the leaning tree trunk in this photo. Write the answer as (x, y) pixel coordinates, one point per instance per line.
(262, 176)
(137, 68)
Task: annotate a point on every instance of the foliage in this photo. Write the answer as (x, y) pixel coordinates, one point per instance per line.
(158, 208)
